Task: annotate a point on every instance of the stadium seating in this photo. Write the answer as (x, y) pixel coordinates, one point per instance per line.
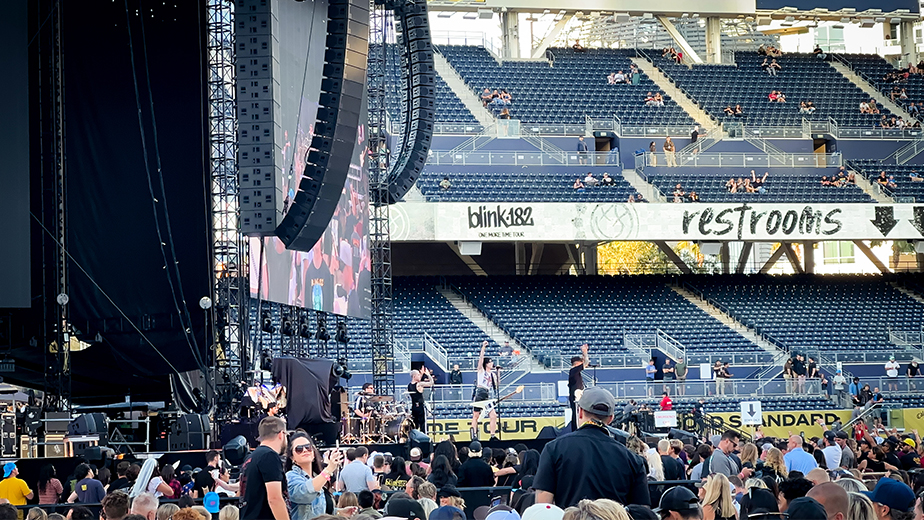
(449, 108)
(521, 184)
(566, 90)
(783, 185)
(828, 313)
(804, 77)
(419, 308)
(551, 314)
(905, 186)
(725, 404)
(873, 68)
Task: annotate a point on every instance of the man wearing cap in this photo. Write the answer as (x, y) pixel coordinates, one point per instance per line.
(262, 493)
(840, 388)
(891, 369)
(806, 508)
(910, 458)
(848, 457)
(589, 463)
(405, 508)
(475, 472)
(892, 500)
(831, 450)
(14, 488)
(679, 503)
(448, 513)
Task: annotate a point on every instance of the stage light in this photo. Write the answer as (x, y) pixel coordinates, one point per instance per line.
(288, 328)
(266, 361)
(342, 336)
(266, 320)
(305, 331)
(205, 303)
(236, 450)
(322, 334)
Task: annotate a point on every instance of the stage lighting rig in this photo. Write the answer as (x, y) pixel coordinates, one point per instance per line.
(305, 331)
(266, 322)
(322, 334)
(288, 327)
(342, 336)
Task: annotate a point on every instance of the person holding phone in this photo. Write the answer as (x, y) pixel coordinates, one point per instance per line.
(307, 476)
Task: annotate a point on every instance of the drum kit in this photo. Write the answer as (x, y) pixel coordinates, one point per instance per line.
(388, 421)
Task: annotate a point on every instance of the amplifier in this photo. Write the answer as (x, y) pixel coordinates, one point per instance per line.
(8, 431)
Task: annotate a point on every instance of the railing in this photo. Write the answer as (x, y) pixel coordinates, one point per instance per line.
(670, 346)
(908, 152)
(519, 158)
(745, 160)
(457, 128)
(463, 393)
(859, 357)
(639, 358)
(728, 387)
(435, 351)
(467, 38)
(906, 337)
(866, 412)
(402, 355)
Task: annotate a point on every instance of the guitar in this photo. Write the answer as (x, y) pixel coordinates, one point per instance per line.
(488, 405)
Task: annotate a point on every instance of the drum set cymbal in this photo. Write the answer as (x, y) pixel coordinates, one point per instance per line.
(389, 422)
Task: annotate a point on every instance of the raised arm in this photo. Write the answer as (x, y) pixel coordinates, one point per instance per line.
(484, 345)
(585, 358)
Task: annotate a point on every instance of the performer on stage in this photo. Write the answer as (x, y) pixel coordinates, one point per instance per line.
(576, 382)
(362, 407)
(485, 383)
(415, 388)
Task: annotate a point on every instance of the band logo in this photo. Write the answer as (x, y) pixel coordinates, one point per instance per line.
(482, 217)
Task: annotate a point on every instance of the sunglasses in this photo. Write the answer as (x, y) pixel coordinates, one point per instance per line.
(302, 448)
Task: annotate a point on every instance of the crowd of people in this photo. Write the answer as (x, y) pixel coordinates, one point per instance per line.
(672, 54)
(840, 179)
(621, 78)
(753, 184)
(498, 102)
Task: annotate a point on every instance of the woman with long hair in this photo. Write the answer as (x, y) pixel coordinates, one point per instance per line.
(749, 454)
(49, 487)
(168, 475)
(860, 507)
(716, 498)
(448, 449)
(600, 509)
(441, 473)
(775, 466)
(306, 477)
(348, 499)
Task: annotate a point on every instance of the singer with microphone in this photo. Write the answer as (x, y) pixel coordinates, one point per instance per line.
(576, 382)
(485, 383)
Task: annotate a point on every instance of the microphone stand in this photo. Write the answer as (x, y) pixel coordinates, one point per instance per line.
(497, 409)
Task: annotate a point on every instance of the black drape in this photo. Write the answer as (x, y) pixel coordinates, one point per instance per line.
(308, 383)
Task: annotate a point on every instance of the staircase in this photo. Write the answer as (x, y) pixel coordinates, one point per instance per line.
(728, 321)
(870, 90)
(647, 190)
(911, 294)
(871, 189)
(665, 84)
(460, 88)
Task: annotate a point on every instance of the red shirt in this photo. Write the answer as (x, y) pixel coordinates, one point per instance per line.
(666, 403)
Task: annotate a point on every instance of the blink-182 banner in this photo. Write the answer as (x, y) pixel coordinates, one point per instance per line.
(557, 222)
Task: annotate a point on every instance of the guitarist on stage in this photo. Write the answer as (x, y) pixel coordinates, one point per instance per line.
(576, 382)
(485, 383)
(415, 389)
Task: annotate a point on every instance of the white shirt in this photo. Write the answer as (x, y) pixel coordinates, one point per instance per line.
(891, 369)
(485, 379)
(152, 487)
(832, 456)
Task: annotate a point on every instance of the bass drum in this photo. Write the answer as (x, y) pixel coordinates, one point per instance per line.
(399, 429)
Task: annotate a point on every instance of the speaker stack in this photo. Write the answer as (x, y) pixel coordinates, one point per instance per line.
(87, 425)
(8, 430)
(189, 432)
(343, 87)
(418, 107)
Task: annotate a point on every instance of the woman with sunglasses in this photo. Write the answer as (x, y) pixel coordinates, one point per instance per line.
(306, 479)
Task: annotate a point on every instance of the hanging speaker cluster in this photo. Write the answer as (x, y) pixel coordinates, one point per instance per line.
(327, 163)
(418, 107)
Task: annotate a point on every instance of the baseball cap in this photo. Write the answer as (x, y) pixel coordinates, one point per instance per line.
(892, 493)
(678, 499)
(544, 511)
(474, 447)
(448, 491)
(841, 434)
(211, 502)
(761, 500)
(598, 401)
(500, 514)
(640, 512)
(829, 435)
(186, 468)
(405, 508)
(805, 508)
(910, 442)
(416, 454)
(8, 468)
(482, 512)
(447, 513)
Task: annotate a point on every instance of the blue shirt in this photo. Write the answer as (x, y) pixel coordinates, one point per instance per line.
(854, 389)
(650, 371)
(798, 460)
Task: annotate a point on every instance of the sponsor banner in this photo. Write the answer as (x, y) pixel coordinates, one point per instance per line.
(566, 222)
(514, 428)
(784, 423)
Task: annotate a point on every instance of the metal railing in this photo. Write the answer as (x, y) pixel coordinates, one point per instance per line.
(463, 393)
(536, 158)
(858, 357)
(706, 388)
(746, 160)
(670, 346)
(402, 355)
(638, 359)
(469, 38)
(436, 351)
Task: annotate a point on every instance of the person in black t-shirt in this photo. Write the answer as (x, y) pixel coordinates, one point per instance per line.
(415, 389)
(798, 367)
(205, 479)
(576, 382)
(581, 464)
(263, 488)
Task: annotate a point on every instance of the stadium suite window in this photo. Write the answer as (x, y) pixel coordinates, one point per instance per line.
(839, 252)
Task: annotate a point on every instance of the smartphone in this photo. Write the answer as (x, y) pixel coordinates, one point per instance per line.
(496, 501)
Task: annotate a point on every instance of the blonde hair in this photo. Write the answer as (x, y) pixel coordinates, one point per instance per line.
(851, 485)
(776, 463)
(457, 502)
(755, 483)
(600, 509)
(427, 490)
(655, 466)
(861, 507)
(348, 499)
(748, 453)
(203, 512)
(166, 511)
(37, 513)
(718, 495)
(229, 512)
(636, 445)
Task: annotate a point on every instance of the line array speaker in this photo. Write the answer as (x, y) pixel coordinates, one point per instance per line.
(189, 432)
(418, 107)
(327, 163)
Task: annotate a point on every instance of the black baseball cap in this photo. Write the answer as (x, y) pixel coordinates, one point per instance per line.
(805, 508)
(405, 508)
(678, 499)
(448, 491)
(841, 434)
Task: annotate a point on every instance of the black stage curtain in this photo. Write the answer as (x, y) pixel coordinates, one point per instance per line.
(111, 221)
(308, 383)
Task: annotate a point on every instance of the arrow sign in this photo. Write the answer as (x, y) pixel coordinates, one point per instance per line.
(751, 413)
(918, 220)
(885, 219)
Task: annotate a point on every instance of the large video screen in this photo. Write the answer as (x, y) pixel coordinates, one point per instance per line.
(335, 275)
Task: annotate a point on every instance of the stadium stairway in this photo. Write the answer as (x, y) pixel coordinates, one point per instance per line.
(911, 294)
(870, 90)
(461, 90)
(665, 84)
(873, 191)
(650, 193)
